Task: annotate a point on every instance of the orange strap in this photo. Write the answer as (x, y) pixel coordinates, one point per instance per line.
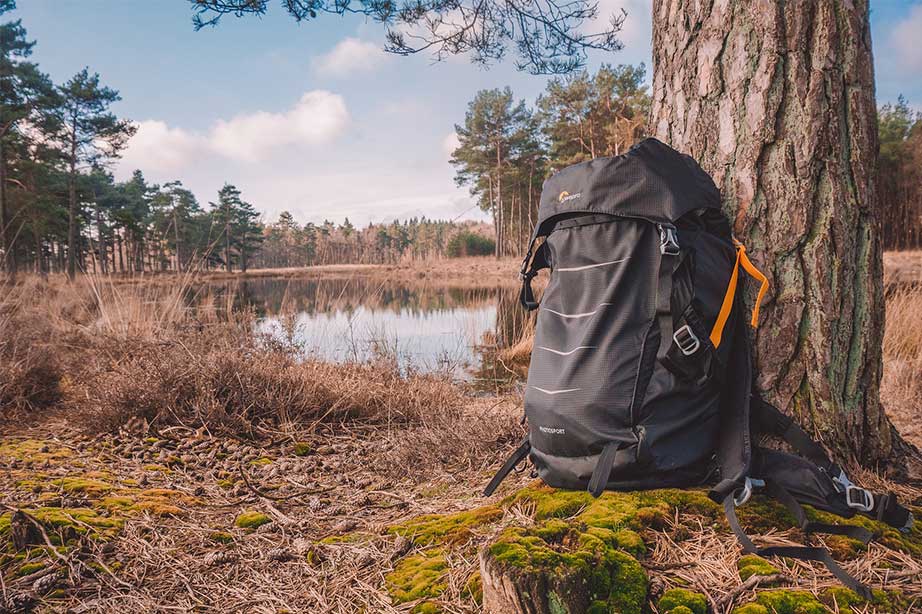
(727, 306)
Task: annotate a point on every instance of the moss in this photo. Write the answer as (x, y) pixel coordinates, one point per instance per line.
(302, 448)
(226, 484)
(614, 578)
(80, 519)
(615, 510)
(158, 508)
(680, 597)
(444, 529)
(420, 576)
(783, 601)
(752, 565)
(426, 607)
(29, 568)
(83, 485)
(34, 450)
(150, 440)
(356, 537)
(679, 609)
(221, 537)
(116, 502)
(262, 461)
(251, 520)
(473, 588)
(159, 468)
(630, 541)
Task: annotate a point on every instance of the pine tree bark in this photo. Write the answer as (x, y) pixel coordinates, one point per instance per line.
(776, 101)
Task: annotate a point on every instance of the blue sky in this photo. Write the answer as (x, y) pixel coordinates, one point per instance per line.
(314, 118)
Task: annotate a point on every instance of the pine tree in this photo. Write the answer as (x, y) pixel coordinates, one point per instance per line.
(92, 134)
(26, 97)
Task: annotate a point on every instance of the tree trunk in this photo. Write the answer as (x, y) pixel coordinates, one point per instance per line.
(776, 101)
(72, 214)
(6, 240)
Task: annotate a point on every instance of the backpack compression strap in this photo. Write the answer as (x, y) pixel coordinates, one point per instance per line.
(803, 553)
(883, 507)
(514, 459)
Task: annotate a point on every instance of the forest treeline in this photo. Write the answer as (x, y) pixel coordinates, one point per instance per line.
(506, 148)
(61, 209)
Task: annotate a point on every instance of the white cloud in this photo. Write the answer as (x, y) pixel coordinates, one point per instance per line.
(316, 119)
(450, 143)
(348, 57)
(905, 40)
(158, 147)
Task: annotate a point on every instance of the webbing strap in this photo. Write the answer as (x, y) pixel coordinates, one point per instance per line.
(602, 470)
(727, 306)
(772, 421)
(668, 265)
(803, 553)
(514, 459)
(780, 493)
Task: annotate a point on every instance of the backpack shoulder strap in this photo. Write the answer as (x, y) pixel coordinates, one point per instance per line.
(734, 448)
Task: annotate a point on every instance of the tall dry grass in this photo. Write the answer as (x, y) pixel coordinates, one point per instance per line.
(172, 355)
(901, 388)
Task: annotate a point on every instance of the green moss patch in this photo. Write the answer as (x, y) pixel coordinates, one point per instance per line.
(752, 565)
(302, 448)
(675, 599)
(784, 601)
(587, 561)
(419, 576)
(34, 450)
(221, 537)
(448, 528)
(251, 520)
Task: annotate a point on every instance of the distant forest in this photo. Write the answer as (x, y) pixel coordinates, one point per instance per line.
(62, 210)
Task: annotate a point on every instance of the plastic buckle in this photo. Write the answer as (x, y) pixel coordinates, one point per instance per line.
(669, 244)
(863, 502)
(748, 487)
(686, 339)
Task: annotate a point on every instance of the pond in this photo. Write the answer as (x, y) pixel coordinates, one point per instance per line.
(455, 330)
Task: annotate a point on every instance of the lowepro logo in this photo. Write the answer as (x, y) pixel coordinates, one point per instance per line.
(566, 197)
(547, 430)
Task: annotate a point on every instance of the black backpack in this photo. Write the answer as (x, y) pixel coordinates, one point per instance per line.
(640, 374)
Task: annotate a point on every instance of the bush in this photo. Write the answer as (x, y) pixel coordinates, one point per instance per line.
(467, 243)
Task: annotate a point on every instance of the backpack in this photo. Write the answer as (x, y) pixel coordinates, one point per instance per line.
(640, 374)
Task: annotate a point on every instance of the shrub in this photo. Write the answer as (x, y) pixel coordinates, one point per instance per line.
(467, 243)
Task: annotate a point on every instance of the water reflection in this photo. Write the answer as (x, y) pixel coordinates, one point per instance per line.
(457, 330)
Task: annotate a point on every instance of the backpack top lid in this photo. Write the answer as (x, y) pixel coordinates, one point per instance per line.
(651, 181)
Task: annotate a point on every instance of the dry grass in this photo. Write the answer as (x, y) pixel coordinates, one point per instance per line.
(168, 356)
(901, 388)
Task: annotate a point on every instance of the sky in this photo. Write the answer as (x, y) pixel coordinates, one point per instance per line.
(314, 118)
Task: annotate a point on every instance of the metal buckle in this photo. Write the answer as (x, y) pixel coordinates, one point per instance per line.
(689, 343)
(864, 501)
(748, 486)
(669, 244)
(856, 497)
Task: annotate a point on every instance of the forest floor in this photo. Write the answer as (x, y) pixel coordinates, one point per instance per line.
(156, 460)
